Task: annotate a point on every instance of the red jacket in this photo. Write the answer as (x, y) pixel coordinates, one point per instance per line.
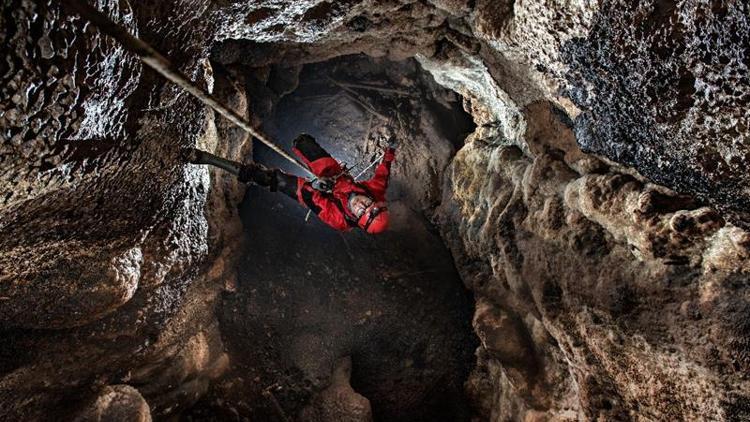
(333, 207)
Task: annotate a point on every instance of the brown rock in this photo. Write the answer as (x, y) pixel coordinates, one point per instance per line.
(339, 402)
(116, 403)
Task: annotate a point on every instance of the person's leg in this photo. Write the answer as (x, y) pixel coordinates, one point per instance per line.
(307, 148)
(196, 156)
(318, 160)
(260, 175)
(275, 180)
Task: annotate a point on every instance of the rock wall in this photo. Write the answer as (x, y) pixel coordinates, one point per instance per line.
(599, 295)
(104, 232)
(665, 88)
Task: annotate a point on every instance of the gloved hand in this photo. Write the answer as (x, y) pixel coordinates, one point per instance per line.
(388, 135)
(388, 141)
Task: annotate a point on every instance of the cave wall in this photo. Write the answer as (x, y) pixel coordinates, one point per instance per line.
(599, 292)
(104, 233)
(599, 295)
(665, 89)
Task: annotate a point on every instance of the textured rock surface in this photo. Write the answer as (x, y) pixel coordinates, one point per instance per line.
(102, 229)
(599, 294)
(118, 403)
(313, 30)
(339, 402)
(666, 90)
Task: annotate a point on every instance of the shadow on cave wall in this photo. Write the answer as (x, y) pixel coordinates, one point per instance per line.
(308, 296)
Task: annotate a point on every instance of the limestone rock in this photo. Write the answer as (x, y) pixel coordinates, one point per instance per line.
(617, 285)
(117, 403)
(339, 402)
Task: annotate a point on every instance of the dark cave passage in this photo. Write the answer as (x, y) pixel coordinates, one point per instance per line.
(308, 296)
(340, 102)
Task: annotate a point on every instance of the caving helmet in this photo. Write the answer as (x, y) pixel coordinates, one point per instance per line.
(375, 218)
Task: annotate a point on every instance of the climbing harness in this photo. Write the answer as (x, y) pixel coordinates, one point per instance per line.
(326, 184)
(164, 67)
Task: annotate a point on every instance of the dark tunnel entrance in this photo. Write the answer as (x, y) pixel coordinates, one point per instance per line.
(310, 300)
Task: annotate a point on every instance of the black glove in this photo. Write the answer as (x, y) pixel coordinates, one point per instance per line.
(388, 141)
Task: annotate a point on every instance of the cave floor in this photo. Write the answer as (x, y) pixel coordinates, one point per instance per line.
(308, 296)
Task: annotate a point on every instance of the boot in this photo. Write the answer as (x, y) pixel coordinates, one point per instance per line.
(260, 175)
(246, 173)
(196, 156)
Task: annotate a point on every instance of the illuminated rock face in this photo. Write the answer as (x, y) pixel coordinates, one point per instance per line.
(598, 293)
(665, 88)
(102, 228)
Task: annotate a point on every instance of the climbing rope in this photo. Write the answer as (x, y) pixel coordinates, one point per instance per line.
(372, 163)
(164, 67)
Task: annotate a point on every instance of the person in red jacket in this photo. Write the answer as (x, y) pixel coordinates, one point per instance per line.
(335, 197)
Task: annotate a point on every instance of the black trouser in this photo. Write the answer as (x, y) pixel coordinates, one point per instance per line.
(274, 179)
(287, 183)
(309, 147)
(311, 150)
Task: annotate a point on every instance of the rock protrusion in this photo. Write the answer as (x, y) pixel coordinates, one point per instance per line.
(339, 402)
(116, 403)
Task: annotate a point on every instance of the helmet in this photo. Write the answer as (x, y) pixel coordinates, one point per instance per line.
(375, 218)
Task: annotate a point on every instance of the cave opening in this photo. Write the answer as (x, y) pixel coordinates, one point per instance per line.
(317, 313)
